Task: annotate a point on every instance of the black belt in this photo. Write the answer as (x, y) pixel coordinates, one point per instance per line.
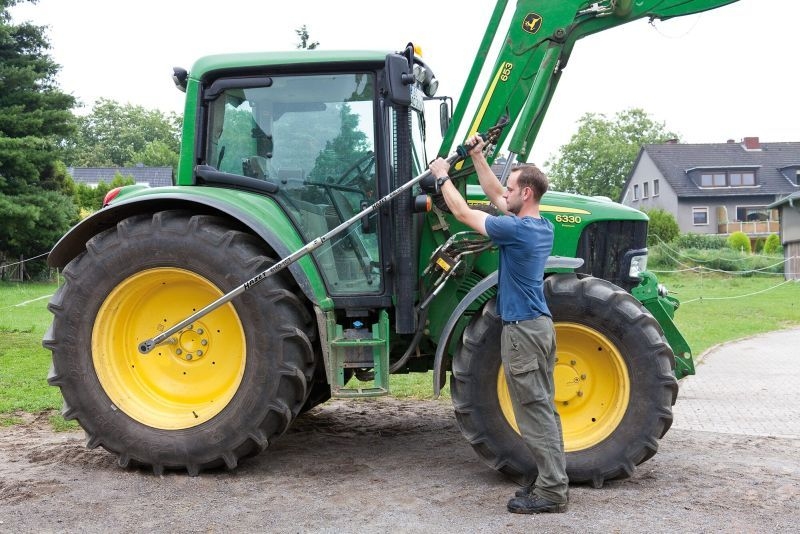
(506, 323)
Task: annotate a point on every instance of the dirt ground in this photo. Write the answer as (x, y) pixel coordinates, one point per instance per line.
(388, 465)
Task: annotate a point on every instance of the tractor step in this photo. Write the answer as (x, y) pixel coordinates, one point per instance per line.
(360, 346)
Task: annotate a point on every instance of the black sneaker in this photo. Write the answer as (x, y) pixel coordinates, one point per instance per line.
(535, 505)
(524, 491)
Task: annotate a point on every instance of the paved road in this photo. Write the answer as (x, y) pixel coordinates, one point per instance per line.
(745, 387)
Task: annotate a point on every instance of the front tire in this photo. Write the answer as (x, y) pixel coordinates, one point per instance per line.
(614, 384)
(220, 389)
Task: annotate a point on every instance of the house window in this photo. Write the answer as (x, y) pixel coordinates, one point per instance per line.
(636, 192)
(752, 213)
(645, 189)
(655, 188)
(728, 179)
(738, 179)
(700, 216)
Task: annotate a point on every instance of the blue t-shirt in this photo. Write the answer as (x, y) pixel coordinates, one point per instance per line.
(525, 244)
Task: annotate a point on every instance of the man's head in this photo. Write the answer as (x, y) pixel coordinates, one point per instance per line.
(526, 183)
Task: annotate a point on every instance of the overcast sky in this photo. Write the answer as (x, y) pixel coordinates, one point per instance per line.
(725, 74)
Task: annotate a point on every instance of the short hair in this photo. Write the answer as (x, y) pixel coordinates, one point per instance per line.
(533, 177)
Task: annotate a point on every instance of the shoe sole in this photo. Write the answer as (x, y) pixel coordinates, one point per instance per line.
(556, 509)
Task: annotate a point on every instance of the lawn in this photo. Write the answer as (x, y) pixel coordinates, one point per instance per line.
(23, 361)
(715, 308)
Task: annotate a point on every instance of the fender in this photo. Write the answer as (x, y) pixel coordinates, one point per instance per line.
(150, 201)
(553, 262)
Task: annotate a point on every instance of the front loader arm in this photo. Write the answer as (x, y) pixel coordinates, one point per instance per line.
(535, 50)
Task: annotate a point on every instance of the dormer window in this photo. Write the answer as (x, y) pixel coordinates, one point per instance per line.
(716, 179)
(742, 178)
(728, 179)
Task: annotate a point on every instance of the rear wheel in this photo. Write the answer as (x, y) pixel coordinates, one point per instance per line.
(614, 384)
(218, 390)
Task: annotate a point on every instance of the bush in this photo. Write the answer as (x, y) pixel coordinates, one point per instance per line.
(773, 245)
(663, 228)
(739, 241)
(701, 241)
(758, 245)
(660, 258)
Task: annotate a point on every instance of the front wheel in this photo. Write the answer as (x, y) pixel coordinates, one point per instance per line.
(614, 384)
(218, 390)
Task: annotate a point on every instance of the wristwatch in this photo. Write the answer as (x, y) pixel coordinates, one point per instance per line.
(440, 181)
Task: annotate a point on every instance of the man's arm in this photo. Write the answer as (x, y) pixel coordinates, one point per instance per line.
(475, 219)
(489, 183)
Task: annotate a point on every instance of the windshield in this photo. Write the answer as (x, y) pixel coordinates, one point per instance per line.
(313, 136)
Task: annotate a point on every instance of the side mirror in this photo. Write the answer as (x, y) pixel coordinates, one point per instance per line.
(398, 80)
(444, 117)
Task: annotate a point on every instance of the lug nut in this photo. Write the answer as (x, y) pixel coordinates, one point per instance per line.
(178, 351)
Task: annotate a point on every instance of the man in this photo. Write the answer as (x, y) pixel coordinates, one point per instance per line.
(527, 344)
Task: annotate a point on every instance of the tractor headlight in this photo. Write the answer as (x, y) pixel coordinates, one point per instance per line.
(636, 263)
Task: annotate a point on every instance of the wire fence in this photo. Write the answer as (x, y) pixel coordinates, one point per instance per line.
(685, 262)
(16, 271)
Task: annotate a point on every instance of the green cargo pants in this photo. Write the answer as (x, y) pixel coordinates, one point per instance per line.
(528, 351)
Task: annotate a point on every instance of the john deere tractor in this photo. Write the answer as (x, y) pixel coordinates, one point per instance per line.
(297, 258)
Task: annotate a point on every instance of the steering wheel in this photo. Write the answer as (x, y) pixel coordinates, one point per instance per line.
(360, 171)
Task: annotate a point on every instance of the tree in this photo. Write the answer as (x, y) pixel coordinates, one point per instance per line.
(116, 135)
(90, 199)
(35, 118)
(598, 158)
(663, 228)
(302, 33)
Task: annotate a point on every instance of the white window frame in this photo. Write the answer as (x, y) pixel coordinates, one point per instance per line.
(699, 209)
(635, 191)
(656, 187)
(646, 190)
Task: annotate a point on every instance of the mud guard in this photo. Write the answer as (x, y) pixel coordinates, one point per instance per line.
(74, 241)
(553, 262)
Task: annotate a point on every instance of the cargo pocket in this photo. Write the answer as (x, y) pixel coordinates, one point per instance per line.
(526, 378)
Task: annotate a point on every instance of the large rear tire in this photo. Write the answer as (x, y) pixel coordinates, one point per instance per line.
(614, 384)
(220, 389)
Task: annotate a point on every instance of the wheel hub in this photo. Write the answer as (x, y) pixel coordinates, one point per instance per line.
(193, 343)
(568, 383)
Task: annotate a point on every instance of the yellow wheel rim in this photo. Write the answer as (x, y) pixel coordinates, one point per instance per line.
(186, 380)
(592, 387)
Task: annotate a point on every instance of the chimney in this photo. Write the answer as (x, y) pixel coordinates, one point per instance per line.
(751, 143)
(731, 141)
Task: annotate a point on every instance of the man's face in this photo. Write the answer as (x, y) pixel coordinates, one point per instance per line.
(513, 195)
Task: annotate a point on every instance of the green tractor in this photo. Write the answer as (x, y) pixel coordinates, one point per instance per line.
(296, 253)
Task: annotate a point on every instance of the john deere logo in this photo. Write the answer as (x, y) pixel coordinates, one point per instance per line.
(532, 23)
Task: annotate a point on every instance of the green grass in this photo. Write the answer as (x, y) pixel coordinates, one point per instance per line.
(23, 361)
(715, 308)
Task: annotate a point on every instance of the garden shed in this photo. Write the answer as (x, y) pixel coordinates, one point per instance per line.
(789, 208)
